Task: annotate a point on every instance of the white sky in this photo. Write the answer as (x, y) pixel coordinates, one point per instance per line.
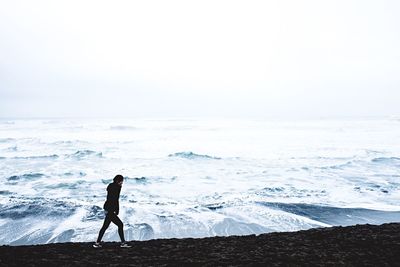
(199, 58)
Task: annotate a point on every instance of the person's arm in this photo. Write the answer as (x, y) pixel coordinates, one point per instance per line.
(115, 196)
(117, 207)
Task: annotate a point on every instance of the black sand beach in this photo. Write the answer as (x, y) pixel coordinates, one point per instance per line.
(360, 245)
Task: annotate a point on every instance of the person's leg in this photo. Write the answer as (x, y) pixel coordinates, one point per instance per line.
(106, 223)
(118, 222)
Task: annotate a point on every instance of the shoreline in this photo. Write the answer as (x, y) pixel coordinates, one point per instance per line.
(352, 245)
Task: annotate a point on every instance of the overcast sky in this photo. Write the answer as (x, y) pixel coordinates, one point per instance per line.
(199, 58)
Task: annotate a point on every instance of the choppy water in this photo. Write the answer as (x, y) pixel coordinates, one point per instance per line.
(195, 178)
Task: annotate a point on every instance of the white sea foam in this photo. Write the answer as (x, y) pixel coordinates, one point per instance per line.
(195, 178)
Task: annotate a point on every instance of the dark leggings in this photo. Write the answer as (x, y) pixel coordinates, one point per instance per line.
(112, 217)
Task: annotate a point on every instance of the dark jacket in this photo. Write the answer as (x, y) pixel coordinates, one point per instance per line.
(112, 204)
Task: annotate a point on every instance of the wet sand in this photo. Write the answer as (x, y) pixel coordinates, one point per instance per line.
(360, 245)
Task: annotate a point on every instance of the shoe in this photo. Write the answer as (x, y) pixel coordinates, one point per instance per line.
(97, 245)
(125, 245)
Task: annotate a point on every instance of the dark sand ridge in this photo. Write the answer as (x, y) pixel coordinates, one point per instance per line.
(360, 245)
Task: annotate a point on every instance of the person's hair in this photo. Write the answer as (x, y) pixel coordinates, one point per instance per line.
(118, 178)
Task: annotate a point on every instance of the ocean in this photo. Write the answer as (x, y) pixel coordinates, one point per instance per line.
(194, 177)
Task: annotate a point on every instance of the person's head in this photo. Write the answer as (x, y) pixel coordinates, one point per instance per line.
(119, 179)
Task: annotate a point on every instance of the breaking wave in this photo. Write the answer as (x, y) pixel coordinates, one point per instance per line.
(81, 154)
(191, 155)
(36, 208)
(387, 160)
(54, 156)
(27, 176)
(335, 215)
(5, 140)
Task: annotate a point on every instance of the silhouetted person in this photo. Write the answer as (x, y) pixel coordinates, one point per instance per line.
(111, 208)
